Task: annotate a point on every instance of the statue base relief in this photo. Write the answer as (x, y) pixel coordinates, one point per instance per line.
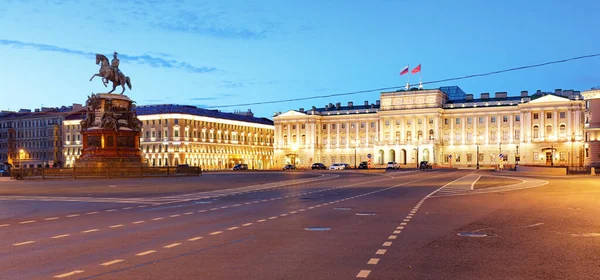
(110, 132)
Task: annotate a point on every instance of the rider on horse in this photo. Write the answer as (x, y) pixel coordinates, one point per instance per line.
(115, 67)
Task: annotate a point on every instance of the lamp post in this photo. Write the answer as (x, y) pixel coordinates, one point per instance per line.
(417, 158)
(478, 142)
(552, 139)
(572, 140)
(355, 144)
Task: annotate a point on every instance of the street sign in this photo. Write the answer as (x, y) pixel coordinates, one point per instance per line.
(368, 155)
(449, 156)
(501, 155)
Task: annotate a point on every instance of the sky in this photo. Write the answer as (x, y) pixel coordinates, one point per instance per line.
(226, 52)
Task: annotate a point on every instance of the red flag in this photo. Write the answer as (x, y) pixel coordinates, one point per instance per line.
(416, 70)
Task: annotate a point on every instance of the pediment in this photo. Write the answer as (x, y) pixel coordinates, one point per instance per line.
(549, 98)
(292, 113)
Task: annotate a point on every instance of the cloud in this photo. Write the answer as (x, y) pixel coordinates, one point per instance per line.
(208, 24)
(152, 61)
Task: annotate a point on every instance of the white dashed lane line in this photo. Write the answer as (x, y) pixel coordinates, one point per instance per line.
(145, 253)
(111, 262)
(398, 230)
(69, 274)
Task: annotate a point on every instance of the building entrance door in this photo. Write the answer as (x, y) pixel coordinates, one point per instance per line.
(548, 158)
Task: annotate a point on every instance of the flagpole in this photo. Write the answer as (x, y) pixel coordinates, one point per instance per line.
(420, 78)
(408, 77)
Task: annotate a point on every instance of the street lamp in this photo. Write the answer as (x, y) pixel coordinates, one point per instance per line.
(355, 142)
(552, 139)
(21, 152)
(478, 142)
(417, 158)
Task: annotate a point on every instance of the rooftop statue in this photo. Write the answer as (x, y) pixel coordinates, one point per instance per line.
(111, 72)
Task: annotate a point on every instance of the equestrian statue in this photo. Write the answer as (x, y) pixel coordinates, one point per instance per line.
(111, 72)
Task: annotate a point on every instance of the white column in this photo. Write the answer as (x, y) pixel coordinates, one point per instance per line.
(475, 121)
(463, 122)
(337, 130)
(356, 136)
(414, 128)
(542, 126)
(328, 135)
(436, 128)
(403, 129)
(499, 130)
(555, 125)
(425, 130)
(522, 127)
(511, 132)
(569, 123)
(289, 134)
(487, 129)
(393, 130)
(368, 124)
(452, 120)
(348, 135)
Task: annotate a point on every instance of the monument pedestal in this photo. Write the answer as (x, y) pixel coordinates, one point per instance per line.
(111, 133)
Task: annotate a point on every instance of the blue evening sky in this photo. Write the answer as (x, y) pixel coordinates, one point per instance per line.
(213, 53)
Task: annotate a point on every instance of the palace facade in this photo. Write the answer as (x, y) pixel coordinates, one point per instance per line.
(426, 125)
(180, 134)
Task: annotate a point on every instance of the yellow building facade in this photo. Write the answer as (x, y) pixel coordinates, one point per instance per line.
(425, 125)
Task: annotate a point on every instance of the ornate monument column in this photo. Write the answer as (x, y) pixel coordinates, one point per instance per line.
(111, 129)
(591, 147)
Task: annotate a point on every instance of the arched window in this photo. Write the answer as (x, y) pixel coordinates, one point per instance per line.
(408, 136)
(294, 139)
(420, 134)
(285, 140)
(548, 130)
(431, 134)
(303, 140)
(563, 130)
(536, 132)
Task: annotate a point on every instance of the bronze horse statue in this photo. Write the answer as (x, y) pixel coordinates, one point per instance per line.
(108, 74)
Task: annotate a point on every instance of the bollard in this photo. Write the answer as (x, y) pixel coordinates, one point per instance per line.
(593, 171)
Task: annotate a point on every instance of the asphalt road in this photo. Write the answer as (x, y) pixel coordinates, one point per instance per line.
(321, 225)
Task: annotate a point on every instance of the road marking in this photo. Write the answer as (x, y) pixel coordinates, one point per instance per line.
(91, 213)
(381, 252)
(387, 244)
(301, 210)
(74, 215)
(363, 274)
(400, 227)
(138, 222)
(111, 210)
(157, 219)
(27, 222)
(175, 216)
(473, 184)
(403, 224)
(90, 230)
(111, 262)
(406, 220)
(60, 236)
(188, 213)
(116, 226)
(69, 274)
(4, 225)
(216, 232)
(247, 224)
(142, 206)
(126, 208)
(260, 221)
(393, 237)
(202, 211)
(224, 207)
(274, 217)
(172, 245)
(233, 228)
(283, 215)
(396, 232)
(373, 261)
(213, 209)
(23, 243)
(293, 212)
(195, 238)
(146, 253)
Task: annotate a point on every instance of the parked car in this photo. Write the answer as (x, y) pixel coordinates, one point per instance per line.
(393, 165)
(363, 165)
(182, 168)
(337, 166)
(289, 167)
(240, 166)
(346, 166)
(425, 165)
(318, 166)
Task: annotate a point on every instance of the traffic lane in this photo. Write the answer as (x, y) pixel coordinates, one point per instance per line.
(531, 234)
(15, 211)
(31, 228)
(41, 231)
(100, 245)
(143, 187)
(284, 244)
